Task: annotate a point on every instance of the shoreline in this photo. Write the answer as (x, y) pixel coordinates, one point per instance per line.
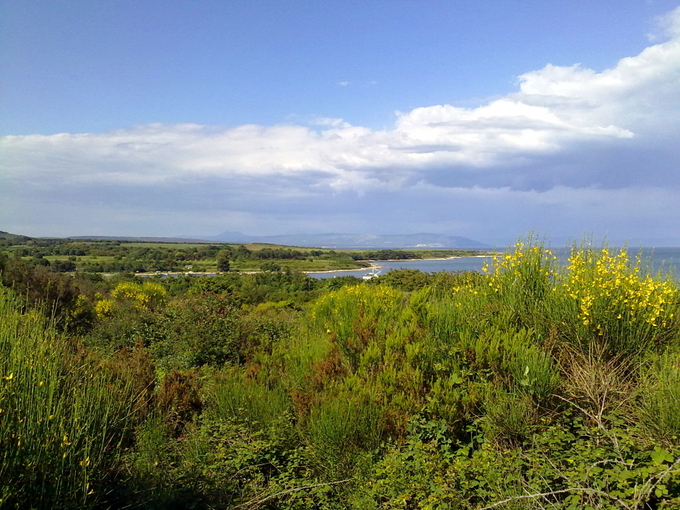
(373, 264)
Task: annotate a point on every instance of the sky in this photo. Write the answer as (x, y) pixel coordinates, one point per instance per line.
(484, 119)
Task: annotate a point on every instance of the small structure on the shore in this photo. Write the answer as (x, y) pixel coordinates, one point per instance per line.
(374, 273)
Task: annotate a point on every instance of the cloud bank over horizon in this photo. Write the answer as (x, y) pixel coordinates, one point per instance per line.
(572, 150)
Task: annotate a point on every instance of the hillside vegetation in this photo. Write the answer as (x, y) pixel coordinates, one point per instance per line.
(531, 385)
(116, 256)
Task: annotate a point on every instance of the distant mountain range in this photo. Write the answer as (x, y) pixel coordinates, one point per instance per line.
(145, 239)
(356, 240)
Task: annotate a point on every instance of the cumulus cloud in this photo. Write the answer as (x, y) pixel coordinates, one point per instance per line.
(555, 108)
(558, 134)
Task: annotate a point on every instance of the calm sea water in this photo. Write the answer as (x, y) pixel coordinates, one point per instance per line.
(656, 259)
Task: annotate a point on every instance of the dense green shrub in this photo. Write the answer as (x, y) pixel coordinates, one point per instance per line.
(235, 396)
(196, 331)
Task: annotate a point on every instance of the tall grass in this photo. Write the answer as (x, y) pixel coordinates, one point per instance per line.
(240, 398)
(661, 395)
(62, 418)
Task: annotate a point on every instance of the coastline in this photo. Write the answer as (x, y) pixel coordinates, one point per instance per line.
(373, 264)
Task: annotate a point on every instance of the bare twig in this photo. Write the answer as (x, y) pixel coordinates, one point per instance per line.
(600, 425)
(253, 503)
(648, 486)
(554, 493)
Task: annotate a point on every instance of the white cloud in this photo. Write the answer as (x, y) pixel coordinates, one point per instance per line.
(329, 122)
(554, 108)
(667, 26)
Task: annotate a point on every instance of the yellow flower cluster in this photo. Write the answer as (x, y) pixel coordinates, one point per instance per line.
(358, 294)
(605, 285)
(104, 308)
(528, 262)
(143, 297)
(612, 284)
(369, 293)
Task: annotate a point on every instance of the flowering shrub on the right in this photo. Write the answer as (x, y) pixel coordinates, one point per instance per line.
(599, 295)
(617, 302)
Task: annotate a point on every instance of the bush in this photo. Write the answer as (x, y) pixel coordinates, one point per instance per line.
(613, 302)
(340, 428)
(357, 316)
(196, 331)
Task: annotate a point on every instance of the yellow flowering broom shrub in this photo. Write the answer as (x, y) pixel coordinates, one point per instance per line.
(356, 316)
(616, 302)
(599, 295)
(141, 297)
(521, 282)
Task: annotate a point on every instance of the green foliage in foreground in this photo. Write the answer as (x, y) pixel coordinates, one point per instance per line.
(64, 415)
(532, 385)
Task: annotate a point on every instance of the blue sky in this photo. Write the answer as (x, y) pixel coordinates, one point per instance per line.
(483, 119)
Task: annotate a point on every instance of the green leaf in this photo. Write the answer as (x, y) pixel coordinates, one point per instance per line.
(660, 490)
(659, 456)
(456, 378)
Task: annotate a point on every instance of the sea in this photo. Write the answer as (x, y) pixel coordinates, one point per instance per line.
(664, 260)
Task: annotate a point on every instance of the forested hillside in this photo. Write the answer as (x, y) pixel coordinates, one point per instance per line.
(531, 385)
